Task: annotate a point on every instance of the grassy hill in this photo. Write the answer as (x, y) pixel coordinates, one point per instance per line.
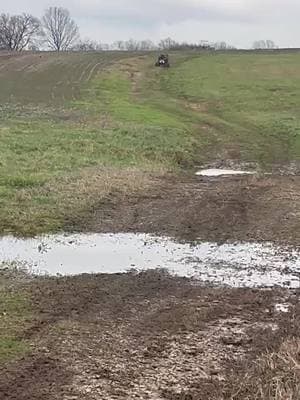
(108, 143)
(76, 128)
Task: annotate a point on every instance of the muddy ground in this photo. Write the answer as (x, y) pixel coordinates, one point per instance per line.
(152, 336)
(247, 208)
(156, 337)
(147, 336)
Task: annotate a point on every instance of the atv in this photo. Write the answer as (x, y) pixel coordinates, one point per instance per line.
(163, 61)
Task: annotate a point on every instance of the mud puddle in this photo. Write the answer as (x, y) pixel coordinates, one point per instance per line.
(215, 172)
(236, 265)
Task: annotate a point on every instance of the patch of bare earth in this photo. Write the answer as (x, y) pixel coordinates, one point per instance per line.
(151, 336)
(251, 208)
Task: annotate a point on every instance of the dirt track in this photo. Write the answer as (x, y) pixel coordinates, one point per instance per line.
(151, 336)
(255, 208)
(143, 336)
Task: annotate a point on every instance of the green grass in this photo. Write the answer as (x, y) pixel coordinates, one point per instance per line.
(70, 123)
(113, 90)
(251, 101)
(14, 311)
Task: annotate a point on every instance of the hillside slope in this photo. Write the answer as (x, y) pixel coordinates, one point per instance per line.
(81, 132)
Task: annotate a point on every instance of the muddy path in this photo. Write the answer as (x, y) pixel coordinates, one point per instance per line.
(143, 336)
(153, 336)
(236, 208)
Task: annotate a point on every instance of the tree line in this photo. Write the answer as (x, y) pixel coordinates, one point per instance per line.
(142, 45)
(58, 31)
(264, 45)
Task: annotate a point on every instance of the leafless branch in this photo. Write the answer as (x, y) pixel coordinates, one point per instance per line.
(60, 29)
(17, 31)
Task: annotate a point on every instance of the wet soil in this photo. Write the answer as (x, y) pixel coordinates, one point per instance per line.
(153, 336)
(143, 336)
(149, 335)
(237, 208)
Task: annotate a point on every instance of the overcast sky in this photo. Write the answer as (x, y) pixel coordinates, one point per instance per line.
(239, 22)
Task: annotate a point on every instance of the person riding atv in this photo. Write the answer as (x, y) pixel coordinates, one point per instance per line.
(163, 61)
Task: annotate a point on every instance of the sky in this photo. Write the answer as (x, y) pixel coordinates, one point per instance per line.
(238, 22)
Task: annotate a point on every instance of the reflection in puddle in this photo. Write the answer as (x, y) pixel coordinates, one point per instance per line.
(237, 265)
(222, 172)
(282, 308)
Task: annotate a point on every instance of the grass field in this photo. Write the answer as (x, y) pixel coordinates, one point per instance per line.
(106, 142)
(74, 128)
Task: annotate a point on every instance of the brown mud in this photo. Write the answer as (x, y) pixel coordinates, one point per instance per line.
(144, 336)
(153, 336)
(237, 208)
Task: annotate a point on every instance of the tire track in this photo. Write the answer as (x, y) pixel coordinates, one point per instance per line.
(85, 70)
(92, 71)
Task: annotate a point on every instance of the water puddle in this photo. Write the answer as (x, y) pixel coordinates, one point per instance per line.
(282, 308)
(214, 172)
(237, 265)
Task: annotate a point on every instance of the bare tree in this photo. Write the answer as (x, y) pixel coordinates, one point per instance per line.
(270, 44)
(85, 45)
(259, 45)
(103, 46)
(264, 45)
(132, 45)
(220, 45)
(223, 46)
(167, 44)
(147, 45)
(17, 32)
(119, 45)
(60, 29)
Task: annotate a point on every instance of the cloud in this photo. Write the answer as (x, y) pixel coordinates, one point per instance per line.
(181, 10)
(159, 11)
(237, 21)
